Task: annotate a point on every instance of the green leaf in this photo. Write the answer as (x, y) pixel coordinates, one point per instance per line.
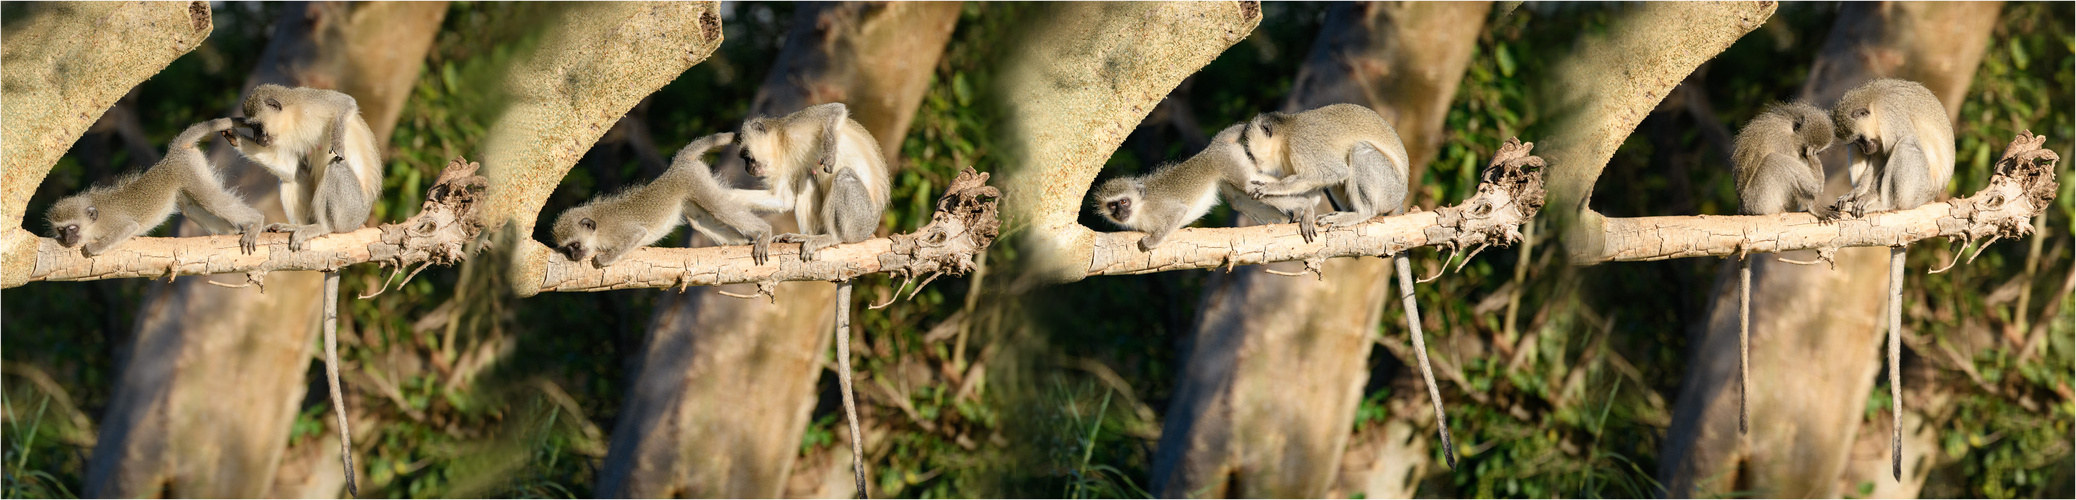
(962, 90)
(2018, 53)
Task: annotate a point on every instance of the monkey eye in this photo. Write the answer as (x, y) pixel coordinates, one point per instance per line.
(93, 214)
(1860, 113)
(272, 103)
(588, 224)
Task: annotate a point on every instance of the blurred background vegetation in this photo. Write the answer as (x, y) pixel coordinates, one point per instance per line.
(1563, 376)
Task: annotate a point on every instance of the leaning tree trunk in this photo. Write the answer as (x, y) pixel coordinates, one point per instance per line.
(764, 358)
(1267, 400)
(213, 382)
(1815, 329)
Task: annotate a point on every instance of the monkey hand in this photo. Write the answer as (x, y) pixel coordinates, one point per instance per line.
(230, 135)
(337, 159)
(248, 239)
(760, 249)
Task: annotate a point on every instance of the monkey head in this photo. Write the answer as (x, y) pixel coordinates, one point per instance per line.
(573, 234)
(760, 145)
(1812, 126)
(1858, 120)
(264, 113)
(1260, 142)
(1118, 199)
(72, 219)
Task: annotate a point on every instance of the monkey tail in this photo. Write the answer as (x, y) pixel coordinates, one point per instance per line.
(1895, 355)
(843, 377)
(1744, 344)
(1405, 289)
(331, 374)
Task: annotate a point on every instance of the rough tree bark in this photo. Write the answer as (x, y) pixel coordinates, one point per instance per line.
(211, 375)
(1266, 403)
(1091, 73)
(64, 67)
(598, 61)
(1818, 329)
(765, 357)
(1614, 80)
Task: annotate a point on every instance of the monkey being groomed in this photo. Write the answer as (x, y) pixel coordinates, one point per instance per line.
(1777, 170)
(106, 215)
(1906, 147)
(606, 228)
(828, 170)
(330, 167)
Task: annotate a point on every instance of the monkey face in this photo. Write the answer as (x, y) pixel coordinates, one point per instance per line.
(750, 164)
(261, 108)
(71, 218)
(1117, 200)
(573, 233)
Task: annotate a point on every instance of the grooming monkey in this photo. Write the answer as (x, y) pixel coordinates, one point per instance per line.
(1906, 157)
(828, 170)
(1306, 153)
(107, 215)
(331, 175)
(1175, 195)
(1777, 169)
(1356, 159)
(609, 226)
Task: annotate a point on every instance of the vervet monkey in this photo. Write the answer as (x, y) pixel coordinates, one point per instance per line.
(609, 226)
(828, 169)
(1777, 170)
(107, 215)
(1356, 159)
(330, 167)
(1318, 151)
(1175, 195)
(1906, 147)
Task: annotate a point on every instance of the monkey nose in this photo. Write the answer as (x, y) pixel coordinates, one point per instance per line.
(68, 236)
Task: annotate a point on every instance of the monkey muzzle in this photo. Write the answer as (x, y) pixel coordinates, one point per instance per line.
(259, 133)
(68, 235)
(1868, 145)
(574, 251)
(1119, 210)
(751, 165)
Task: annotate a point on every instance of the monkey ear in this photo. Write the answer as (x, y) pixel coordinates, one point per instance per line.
(588, 224)
(1795, 125)
(1267, 130)
(93, 214)
(273, 103)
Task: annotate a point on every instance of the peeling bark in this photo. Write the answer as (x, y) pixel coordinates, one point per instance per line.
(1267, 404)
(877, 58)
(1613, 82)
(1092, 73)
(64, 67)
(1803, 442)
(598, 62)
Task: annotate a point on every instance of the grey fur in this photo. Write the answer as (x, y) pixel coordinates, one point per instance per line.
(836, 193)
(1175, 195)
(293, 131)
(1907, 153)
(1352, 156)
(1322, 151)
(1777, 170)
(606, 228)
(107, 215)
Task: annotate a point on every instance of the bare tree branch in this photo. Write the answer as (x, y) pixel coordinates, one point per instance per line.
(1509, 196)
(65, 66)
(2023, 186)
(445, 224)
(963, 227)
(1096, 71)
(600, 60)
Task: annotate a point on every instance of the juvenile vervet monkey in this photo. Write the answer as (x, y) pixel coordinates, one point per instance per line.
(110, 214)
(331, 175)
(1906, 157)
(1175, 195)
(1319, 151)
(1777, 169)
(828, 170)
(1356, 159)
(609, 226)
